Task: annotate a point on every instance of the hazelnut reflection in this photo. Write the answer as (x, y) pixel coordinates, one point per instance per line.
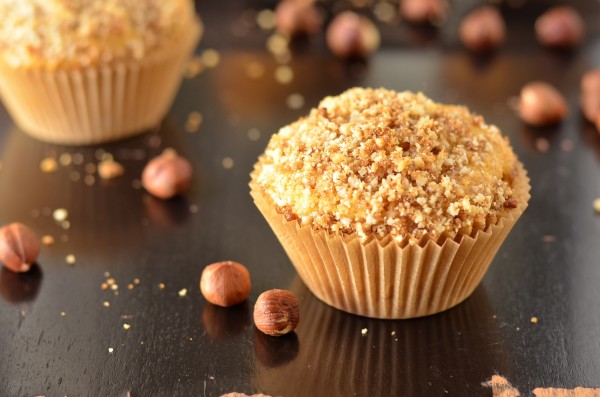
(275, 351)
(20, 287)
(167, 213)
(225, 322)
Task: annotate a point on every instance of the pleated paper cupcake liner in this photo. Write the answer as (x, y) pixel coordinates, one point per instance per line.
(383, 279)
(96, 104)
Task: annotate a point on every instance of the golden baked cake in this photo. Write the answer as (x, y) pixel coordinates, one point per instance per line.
(374, 194)
(86, 71)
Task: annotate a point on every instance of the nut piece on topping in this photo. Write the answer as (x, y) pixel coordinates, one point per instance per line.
(560, 27)
(19, 247)
(225, 283)
(167, 175)
(424, 11)
(296, 18)
(541, 104)
(590, 95)
(483, 29)
(352, 36)
(277, 312)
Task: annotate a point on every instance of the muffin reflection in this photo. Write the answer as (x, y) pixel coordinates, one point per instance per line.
(343, 354)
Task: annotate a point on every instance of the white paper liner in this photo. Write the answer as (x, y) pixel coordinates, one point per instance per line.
(382, 279)
(96, 104)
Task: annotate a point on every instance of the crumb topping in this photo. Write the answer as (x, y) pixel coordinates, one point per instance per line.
(377, 161)
(78, 33)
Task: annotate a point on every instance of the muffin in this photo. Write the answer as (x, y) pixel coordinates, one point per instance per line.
(388, 204)
(90, 71)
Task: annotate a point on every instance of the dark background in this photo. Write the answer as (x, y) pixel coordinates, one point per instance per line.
(182, 346)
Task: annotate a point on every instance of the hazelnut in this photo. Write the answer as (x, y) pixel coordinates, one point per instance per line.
(277, 312)
(351, 35)
(561, 27)
(167, 175)
(590, 95)
(19, 247)
(225, 283)
(483, 29)
(541, 104)
(296, 18)
(424, 11)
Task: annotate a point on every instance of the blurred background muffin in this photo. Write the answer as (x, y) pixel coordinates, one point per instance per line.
(89, 71)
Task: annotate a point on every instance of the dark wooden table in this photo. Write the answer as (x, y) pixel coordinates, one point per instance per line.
(58, 339)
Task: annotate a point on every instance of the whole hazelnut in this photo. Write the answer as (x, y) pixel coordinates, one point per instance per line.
(167, 175)
(351, 35)
(225, 283)
(296, 18)
(541, 104)
(561, 27)
(590, 94)
(424, 11)
(483, 29)
(277, 312)
(19, 247)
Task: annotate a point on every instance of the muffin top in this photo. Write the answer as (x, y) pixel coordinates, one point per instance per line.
(50, 34)
(374, 161)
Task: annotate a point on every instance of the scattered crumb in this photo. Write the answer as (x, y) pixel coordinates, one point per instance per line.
(110, 281)
(106, 304)
(60, 215)
(284, 74)
(227, 163)
(193, 208)
(364, 331)
(193, 68)
(542, 145)
(126, 326)
(65, 159)
(254, 134)
(501, 387)
(70, 259)
(106, 274)
(49, 165)
(549, 238)
(104, 286)
(110, 350)
(295, 101)
(265, 19)
(114, 287)
(210, 58)
(74, 176)
(193, 122)
(277, 44)
(161, 286)
(518, 328)
(90, 168)
(136, 281)
(255, 70)
(597, 205)
(89, 180)
(534, 320)
(77, 158)
(129, 286)
(48, 240)
(567, 145)
(65, 224)
(182, 292)
(63, 314)
(110, 169)
(385, 12)
(393, 333)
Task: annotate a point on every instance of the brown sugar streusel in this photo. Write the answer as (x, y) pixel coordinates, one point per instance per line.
(78, 33)
(377, 161)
